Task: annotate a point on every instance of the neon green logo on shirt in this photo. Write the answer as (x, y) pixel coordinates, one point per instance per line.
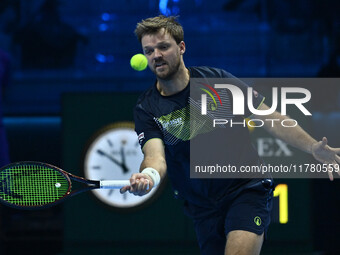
(258, 221)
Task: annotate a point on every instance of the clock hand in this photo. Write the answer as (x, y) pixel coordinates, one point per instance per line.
(123, 165)
(102, 153)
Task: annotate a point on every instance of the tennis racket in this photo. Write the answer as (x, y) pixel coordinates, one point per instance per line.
(36, 185)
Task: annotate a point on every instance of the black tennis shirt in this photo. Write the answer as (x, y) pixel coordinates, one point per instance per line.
(168, 118)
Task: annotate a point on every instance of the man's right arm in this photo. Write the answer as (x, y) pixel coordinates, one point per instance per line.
(154, 160)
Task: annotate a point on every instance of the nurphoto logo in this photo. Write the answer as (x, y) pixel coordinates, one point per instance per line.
(238, 104)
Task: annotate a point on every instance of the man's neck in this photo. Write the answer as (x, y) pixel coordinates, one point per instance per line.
(176, 84)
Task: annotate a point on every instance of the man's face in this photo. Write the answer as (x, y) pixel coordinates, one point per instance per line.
(163, 53)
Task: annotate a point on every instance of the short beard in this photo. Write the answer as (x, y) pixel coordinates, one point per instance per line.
(171, 73)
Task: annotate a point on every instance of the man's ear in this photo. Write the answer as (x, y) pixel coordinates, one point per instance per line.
(181, 47)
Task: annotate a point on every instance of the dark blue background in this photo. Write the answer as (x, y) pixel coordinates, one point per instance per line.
(64, 46)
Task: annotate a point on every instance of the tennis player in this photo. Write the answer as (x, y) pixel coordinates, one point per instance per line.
(231, 216)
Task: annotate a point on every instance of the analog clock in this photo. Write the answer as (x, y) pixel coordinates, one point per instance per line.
(114, 154)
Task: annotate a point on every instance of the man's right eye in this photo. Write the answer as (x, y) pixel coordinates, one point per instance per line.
(147, 52)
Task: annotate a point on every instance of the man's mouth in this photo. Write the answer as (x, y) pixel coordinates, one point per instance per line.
(160, 64)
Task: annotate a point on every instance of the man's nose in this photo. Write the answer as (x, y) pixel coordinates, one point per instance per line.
(158, 54)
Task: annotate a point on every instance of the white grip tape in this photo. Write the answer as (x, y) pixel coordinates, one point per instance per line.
(114, 184)
(154, 175)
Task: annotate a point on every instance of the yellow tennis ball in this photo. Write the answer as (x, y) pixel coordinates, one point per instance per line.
(139, 62)
(250, 124)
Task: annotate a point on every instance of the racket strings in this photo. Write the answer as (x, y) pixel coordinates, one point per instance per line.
(32, 185)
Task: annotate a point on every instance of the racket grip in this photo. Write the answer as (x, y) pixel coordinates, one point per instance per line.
(113, 184)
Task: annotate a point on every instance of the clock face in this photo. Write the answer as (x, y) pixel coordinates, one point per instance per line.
(114, 154)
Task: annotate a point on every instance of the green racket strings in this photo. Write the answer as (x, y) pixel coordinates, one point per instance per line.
(32, 185)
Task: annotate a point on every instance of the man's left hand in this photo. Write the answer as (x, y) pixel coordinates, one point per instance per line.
(327, 155)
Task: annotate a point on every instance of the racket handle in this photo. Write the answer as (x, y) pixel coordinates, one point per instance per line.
(114, 184)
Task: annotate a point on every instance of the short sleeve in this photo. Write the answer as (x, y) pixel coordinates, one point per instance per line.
(145, 126)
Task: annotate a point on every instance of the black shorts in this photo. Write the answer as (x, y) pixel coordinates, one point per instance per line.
(246, 209)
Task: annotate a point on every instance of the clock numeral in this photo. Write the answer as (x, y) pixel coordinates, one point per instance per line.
(96, 167)
(109, 142)
(110, 192)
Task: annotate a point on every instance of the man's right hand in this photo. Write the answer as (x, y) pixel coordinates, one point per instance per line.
(140, 185)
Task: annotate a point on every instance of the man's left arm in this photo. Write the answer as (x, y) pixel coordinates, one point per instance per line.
(297, 137)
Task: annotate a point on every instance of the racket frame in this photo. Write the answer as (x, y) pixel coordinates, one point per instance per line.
(91, 184)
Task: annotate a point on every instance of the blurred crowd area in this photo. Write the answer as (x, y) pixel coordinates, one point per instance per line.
(57, 45)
